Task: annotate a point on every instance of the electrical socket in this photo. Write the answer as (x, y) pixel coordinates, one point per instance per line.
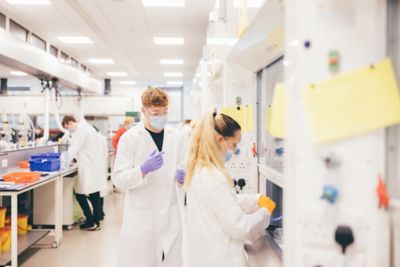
(4, 163)
(320, 232)
(317, 233)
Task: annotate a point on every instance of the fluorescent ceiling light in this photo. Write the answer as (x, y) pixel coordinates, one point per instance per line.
(163, 3)
(19, 73)
(101, 61)
(173, 74)
(75, 40)
(221, 41)
(127, 82)
(174, 82)
(29, 2)
(171, 61)
(117, 74)
(169, 40)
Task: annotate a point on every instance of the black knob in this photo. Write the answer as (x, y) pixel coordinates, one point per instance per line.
(344, 237)
(241, 183)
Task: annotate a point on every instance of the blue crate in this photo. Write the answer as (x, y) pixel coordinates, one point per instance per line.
(45, 165)
(46, 156)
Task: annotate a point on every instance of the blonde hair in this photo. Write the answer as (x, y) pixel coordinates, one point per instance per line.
(205, 150)
(155, 97)
(129, 120)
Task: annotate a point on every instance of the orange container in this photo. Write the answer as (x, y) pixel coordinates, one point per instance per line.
(22, 224)
(8, 221)
(3, 212)
(5, 234)
(23, 164)
(22, 177)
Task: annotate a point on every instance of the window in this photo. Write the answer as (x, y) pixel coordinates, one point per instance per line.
(74, 62)
(53, 51)
(64, 58)
(2, 21)
(38, 42)
(18, 31)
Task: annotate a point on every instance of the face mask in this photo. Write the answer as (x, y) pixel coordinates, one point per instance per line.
(228, 155)
(158, 122)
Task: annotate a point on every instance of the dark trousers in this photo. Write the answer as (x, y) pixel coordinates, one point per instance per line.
(91, 216)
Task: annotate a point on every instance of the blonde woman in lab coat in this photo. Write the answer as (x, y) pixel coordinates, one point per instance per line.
(218, 221)
(146, 169)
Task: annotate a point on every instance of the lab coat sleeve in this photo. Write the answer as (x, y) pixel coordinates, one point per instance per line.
(248, 202)
(125, 175)
(182, 152)
(237, 223)
(78, 139)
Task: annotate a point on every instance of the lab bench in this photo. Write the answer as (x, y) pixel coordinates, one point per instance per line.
(20, 243)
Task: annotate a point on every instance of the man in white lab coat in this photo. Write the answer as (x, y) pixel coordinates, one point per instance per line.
(146, 168)
(89, 148)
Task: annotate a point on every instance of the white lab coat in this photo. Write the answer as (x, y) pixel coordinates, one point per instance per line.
(90, 150)
(151, 223)
(219, 221)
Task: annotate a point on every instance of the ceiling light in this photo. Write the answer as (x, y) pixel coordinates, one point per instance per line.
(221, 41)
(171, 61)
(18, 73)
(127, 82)
(169, 40)
(173, 74)
(29, 2)
(163, 3)
(101, 61)
(75, 40)
(174, 82)
(117, 74)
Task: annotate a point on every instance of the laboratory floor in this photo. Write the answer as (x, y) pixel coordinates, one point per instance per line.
(82, 248)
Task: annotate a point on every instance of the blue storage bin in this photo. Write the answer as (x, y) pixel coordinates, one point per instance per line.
(46, 156)
(45, 165)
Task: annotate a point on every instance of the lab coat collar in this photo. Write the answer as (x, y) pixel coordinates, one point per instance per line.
(168, 136)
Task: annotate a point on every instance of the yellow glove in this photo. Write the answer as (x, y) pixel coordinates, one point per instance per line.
(266, 202)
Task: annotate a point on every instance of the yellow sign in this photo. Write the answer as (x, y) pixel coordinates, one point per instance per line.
(358, 102)
(278, 112)
(242, 114)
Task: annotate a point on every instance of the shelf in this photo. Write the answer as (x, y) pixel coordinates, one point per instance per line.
(271, 175)
(263, 41)
(24, 242)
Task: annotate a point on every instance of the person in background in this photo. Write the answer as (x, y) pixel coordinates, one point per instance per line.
(146, 167)
(89, 148)
(218, 220)
(128, 122)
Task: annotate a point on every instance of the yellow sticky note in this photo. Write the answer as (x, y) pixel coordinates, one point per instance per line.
(358, 102)
(243, 115)
(268, 119)
(278, 112)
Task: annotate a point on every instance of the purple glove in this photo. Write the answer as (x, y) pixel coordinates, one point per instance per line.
(180, 176)
(154, 162)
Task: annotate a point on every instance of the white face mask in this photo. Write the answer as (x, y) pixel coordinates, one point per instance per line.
(158, 122)
(228, 155)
